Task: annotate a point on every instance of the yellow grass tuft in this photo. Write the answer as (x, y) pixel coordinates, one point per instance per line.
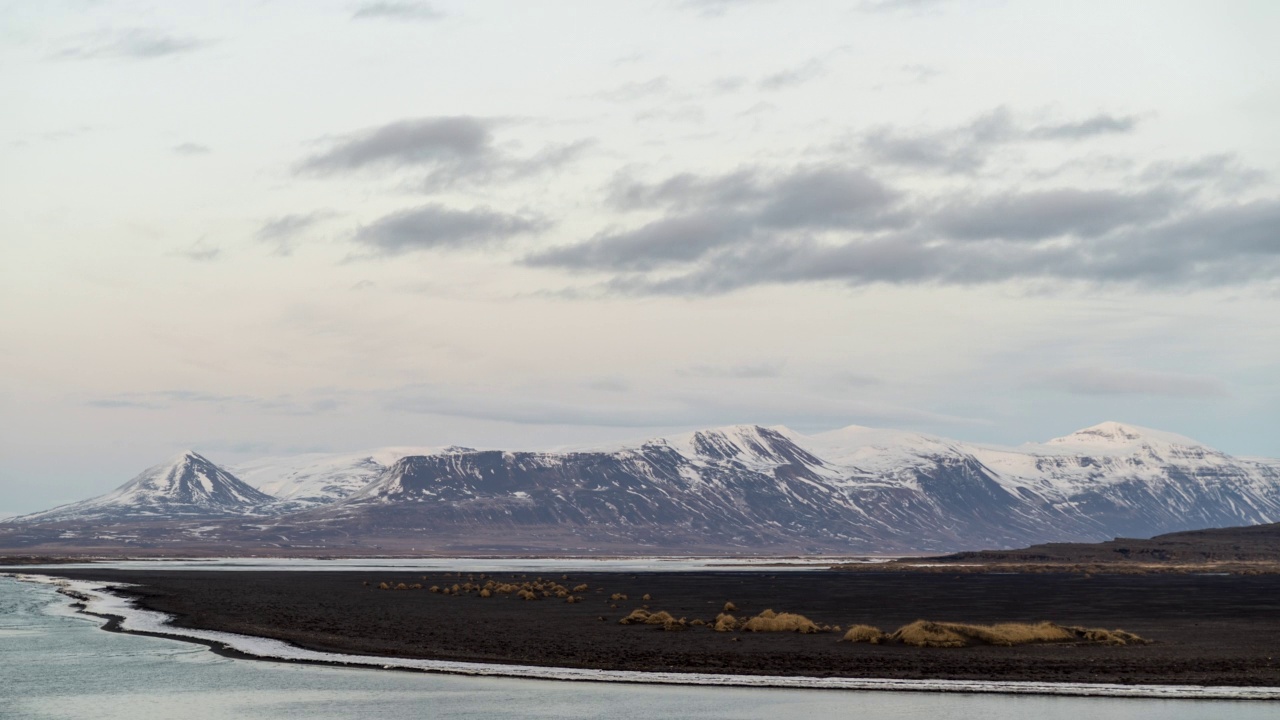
(646, 597)
(486, 592)
(383, 586)
(730, 607)
(864, 633)
(617, 597)
(769, 621)
(923, 633)
(581, 588)
(726, 623)
(639, 616)
(527, 595)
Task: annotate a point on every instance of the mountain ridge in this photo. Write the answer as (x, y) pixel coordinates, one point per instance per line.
(744, 487)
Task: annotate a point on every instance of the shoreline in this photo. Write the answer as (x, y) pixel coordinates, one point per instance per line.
(121, 615)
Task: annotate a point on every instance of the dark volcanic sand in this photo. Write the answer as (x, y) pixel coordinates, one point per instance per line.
(1212, 630)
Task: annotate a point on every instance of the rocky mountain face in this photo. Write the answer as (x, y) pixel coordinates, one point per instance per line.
(749, 489)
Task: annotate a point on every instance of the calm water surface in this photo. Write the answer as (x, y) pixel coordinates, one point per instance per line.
(56, 664)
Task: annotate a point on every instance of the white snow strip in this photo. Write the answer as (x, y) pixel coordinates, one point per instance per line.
(102, 602)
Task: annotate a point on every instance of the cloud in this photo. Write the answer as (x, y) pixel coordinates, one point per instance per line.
(423, 141)
(433, 226)
(1051, 213)
(1225, 171)
(1089, 127)
(452, 150)
(133, 44)
(1111, 381)
(965, 148)
(413, 11)
(1232, 244)
(283, 230)
(735, 207)
(190, 148)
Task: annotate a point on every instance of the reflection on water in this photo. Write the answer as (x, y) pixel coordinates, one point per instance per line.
(55, 664)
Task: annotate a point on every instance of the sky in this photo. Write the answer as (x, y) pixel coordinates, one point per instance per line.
(266, 228)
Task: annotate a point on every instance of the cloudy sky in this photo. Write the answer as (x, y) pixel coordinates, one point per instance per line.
(274, 227)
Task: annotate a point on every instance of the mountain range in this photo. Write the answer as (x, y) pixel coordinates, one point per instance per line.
(739, 489)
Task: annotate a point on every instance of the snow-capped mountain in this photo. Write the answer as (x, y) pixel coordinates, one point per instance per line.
(185, 487)
(855, 489)
(741, 489)
(304, 481)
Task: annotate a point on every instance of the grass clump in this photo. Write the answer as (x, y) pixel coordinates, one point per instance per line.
(770, 621)
(924, 633)
(725, 623)
(729, 607)
(864, 633)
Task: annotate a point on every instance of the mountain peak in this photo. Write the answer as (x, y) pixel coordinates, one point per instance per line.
(189, 484)
(1112, 433)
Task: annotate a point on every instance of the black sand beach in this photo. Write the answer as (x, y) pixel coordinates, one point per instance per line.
(1208, 630)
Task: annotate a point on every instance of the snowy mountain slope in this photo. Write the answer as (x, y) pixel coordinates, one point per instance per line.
(740, 486)
(746, 488)
(187, 486)
(303, 481)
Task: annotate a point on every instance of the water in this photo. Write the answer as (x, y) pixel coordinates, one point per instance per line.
(485, 565)
(57, 664)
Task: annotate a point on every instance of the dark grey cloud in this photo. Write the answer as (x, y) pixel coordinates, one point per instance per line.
(742, 206)
(132, 44)
(1114, 381)
(673, 239)
(1232, 244)
(422, 141)
(450, 151)
(827, 198)
(967, 147)
(412, 11)
(432, 227)
(190, 148)
(284, 230)
(1052, 213)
